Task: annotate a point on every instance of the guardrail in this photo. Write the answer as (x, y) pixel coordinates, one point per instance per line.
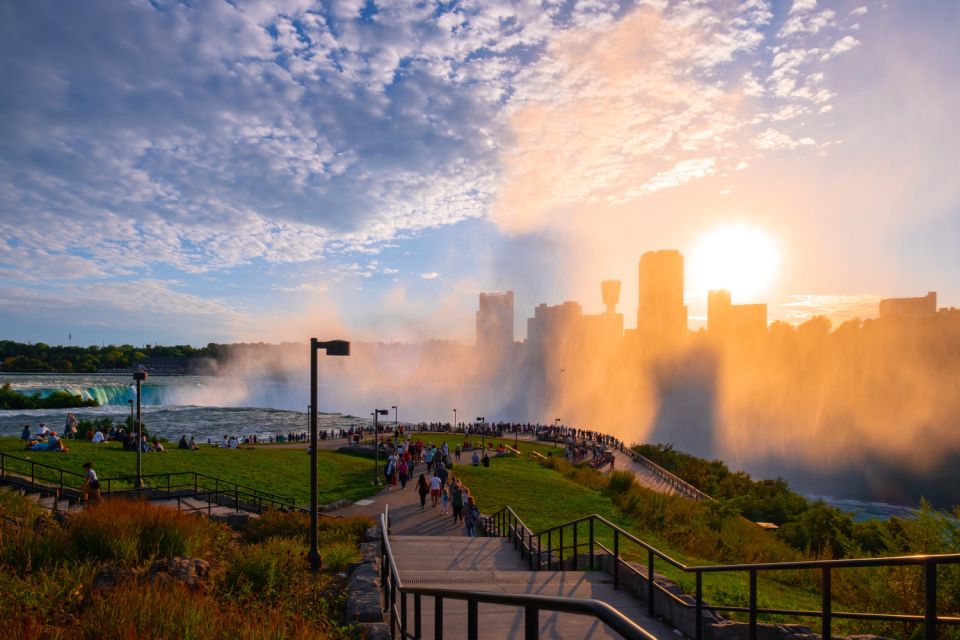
(677, 484)
(505, 523)
(532, 605)
(67, 483)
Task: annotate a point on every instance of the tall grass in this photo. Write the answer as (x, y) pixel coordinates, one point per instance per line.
(129, 531)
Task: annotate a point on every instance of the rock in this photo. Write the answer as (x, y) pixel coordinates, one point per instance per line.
(372, 534)
(109, 577)
(190, 572)
(363, 605)
(236, 521)
(376, 631)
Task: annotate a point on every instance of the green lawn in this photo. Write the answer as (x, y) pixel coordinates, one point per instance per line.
(285, 472)
(539, 495)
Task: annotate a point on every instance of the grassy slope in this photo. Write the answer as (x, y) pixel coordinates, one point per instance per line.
(556, 500)
(539, 495)
(285, 472)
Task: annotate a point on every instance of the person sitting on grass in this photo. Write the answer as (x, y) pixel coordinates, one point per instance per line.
(183, 442)
(55, 443)
(26, 433)
(158, 446)
(98, 437)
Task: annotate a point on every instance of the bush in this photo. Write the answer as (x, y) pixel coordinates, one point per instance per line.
(128, 531)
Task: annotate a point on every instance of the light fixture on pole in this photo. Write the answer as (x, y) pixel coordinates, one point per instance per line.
(139, 376)
(454, 419)
(556, 421)
(332, 348)
(376, 443)
(396, 425)
(483, 434)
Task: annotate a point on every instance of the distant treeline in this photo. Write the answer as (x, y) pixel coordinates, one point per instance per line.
(43, 358)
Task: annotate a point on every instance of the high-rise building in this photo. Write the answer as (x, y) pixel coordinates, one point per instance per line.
(660, 309)
(495, 321)
(552, 324)
(726, 319)
(922, 306)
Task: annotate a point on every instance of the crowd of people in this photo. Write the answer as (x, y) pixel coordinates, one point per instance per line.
(444, 489)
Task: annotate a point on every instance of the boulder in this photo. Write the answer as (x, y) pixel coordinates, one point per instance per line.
(189, 572)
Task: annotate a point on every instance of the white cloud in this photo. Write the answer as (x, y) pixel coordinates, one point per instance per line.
(432, 275)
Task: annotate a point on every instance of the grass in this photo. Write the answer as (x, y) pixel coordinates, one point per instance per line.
(258, 586)
(557, 499)
(284, 472)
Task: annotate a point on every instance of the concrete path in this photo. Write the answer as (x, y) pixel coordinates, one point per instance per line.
(432, 551)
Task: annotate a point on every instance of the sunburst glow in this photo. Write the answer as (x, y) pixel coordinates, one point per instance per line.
(740, 258)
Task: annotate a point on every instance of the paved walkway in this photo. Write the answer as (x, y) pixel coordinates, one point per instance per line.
(432, 551)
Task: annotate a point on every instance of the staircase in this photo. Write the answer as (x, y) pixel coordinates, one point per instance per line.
(492, 565)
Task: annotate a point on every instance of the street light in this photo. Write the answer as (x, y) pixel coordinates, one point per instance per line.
(332, 348)
(556, 421)
(396, 425)
(376, 443)
(139, 376)
(454, 420)
(483, 435)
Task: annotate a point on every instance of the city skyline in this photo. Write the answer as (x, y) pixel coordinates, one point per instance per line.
(270, 171)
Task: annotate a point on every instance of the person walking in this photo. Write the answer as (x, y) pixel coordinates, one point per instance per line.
(471, 517)
(456, 500)
(91, 485)
(423, 489)
(435, 490)
(402, 473)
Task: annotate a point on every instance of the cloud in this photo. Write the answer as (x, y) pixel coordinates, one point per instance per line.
(432, 275)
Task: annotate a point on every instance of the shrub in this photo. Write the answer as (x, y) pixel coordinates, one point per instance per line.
(128, 531)
(265, 568)
(337, 555)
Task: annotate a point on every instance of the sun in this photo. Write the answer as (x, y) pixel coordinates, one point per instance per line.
(740, 258)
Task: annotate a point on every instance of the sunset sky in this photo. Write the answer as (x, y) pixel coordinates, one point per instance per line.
(226, 170)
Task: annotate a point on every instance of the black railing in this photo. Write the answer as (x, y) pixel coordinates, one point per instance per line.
(44, 478)
(395, 595)
(679, 485)
(505, 523)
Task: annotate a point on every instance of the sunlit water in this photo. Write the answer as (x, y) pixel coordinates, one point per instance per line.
(204, 407)
(209, 407)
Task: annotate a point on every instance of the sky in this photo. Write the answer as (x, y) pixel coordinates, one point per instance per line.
(218, 171)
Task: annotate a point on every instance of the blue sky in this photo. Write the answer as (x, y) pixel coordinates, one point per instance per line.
(216, 171)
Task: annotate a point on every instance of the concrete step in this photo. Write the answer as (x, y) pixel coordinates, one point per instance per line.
(449, 553)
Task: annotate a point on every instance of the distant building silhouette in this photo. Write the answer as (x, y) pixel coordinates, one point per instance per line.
(495, 321)
(552, 323)
(660, 309)
(606, 328)
(900, 307)
(725, 319)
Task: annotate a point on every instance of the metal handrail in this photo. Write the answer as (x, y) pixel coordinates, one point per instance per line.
(251, 495)
(532, 604)
(930, 618)
(678, 483)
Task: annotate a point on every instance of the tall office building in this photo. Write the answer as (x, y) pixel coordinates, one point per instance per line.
(660, 310)
(495, 321)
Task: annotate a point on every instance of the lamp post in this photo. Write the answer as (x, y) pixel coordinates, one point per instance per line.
(139, 376)
(556, 422)
(483, 434)
(332, 348)
(454, 420)
(396, 425)
(130, 401)
(376, 444)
